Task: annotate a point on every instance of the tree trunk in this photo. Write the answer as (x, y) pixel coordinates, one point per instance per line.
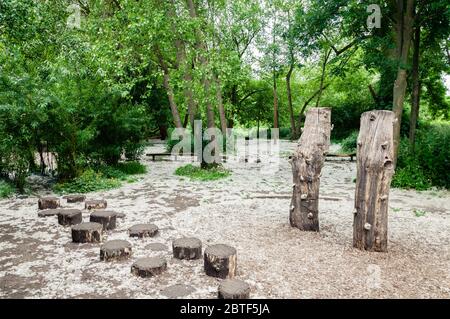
(322, 78)
(289, 96)
(201, 47)
(405, 20)
(374, 173)
(307, 163)
(170, 94)
(223, 119)
(415, 97)
(186, 69)
(275, 101)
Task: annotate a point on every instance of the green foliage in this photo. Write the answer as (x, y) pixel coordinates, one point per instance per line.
(428, 165)
(6, 189)
(349, 144)
(197, 173)
(419, 212)
(103, 178)
(88, 181)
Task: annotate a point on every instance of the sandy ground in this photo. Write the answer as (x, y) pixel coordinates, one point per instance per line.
(249, 211)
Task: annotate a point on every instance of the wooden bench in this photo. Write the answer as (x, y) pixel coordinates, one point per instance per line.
(154, 155)
(351, 155)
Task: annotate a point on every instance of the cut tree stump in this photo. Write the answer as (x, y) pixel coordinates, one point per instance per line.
(149, 266)
(220, 261)
(234, 289)
(105, 217)
(115, 250)
(74, 198)
(49, 212)
(307, 162)
(143, 230)
(67, 217)
(375, 157)
(87, 233)
(187, 248)
(95, 204)
(48, 202)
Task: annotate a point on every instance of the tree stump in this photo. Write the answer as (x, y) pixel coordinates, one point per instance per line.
(187, 248)
(143, 230)
(48, 202)
(115, 250)
(95, 204)
(307, 163)
(149, 266)
(220, 261)
(234, 289)
(49, 212)
(87, 233)
(67, 217)
(105, 217)
(375, 157)
(74, 198)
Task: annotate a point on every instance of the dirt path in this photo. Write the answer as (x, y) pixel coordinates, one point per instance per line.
(249, 211)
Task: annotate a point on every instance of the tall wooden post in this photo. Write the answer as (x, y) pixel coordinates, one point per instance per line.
(307, 163)
(375, 168)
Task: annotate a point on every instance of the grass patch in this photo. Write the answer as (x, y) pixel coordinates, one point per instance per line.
(196, 173)
(419, 213)
(6, 189)
(102, 178)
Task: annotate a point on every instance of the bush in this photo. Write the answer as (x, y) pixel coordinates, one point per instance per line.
(6, 189)
(429, 164)
(88, 181)
(103, 178)
(197, 173)
(349, 144)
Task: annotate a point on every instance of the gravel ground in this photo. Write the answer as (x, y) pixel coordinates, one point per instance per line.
(248, 211)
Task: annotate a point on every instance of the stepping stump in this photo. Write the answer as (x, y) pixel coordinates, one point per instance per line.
(68, 217)
(115, 250)
(187, 248)
(220, 261)
(106, 218)
(74, 198)
(234, 289)
(143, 230)
(95, 204)
(149, 266)
(87, 233)
(48, 202)
(49, 212)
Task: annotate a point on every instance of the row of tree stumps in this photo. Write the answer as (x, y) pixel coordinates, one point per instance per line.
(374, 174)
(220, 261)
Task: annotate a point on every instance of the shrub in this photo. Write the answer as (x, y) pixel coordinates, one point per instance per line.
(102, 178)
(349, 144)
(429, 164)
(197, 173)
(88, 181)
(6, 189)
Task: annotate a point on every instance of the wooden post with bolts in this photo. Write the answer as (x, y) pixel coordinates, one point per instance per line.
(307, 163)
(375, 168)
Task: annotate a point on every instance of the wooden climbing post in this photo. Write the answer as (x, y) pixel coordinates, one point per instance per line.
(307, 163)
(375, 168)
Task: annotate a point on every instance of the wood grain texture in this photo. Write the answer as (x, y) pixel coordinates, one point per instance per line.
(375, 167)
(307, 163)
